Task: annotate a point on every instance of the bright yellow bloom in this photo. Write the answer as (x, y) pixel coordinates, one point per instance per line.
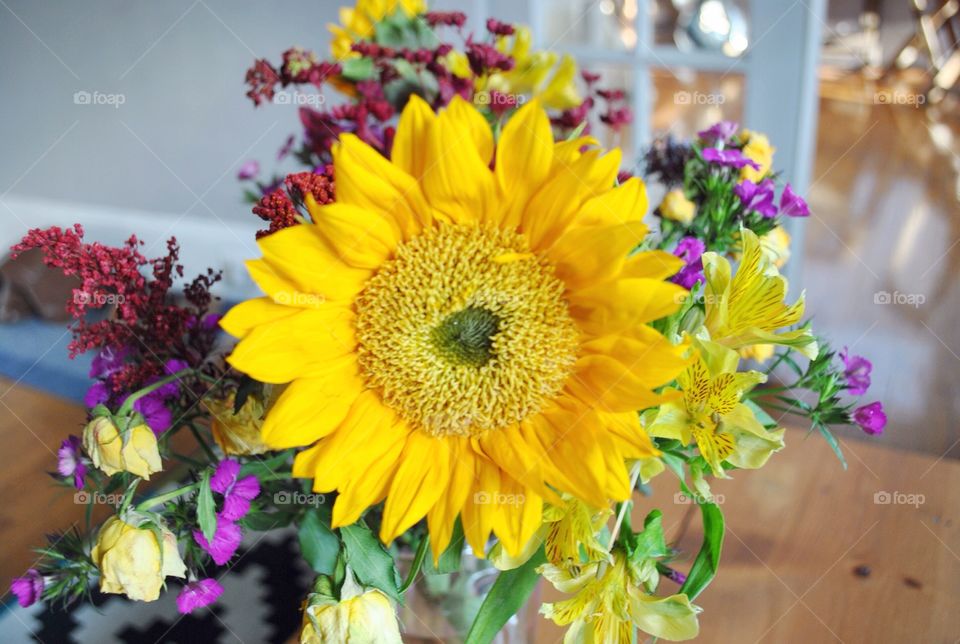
(711, 414)
(239, 433)
(571, 532)
(481, 340)
(357, 617)
(135, 451)
(611, 600)
(531, 69)
(132, 561)
(358, 23)
(757, 149)
(776, 246)
(676, 207)
(748, 307)
(757, 352)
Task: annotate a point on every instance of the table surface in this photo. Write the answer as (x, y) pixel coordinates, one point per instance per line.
(812, 552)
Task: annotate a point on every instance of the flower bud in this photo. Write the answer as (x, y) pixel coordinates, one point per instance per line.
(677, 207)
(134, 451)
(134, 554)
(359, 617)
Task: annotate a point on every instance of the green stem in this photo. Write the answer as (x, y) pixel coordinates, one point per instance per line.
(203, 443)
(634, 477)
(276, 476)
(127, 405)
(169, 496)
(417, 563)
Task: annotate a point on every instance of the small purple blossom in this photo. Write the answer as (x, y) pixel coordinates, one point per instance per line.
(856, 371)
(792, 204)
(248, 170)
(719, 132)
(69, 461)
(198, 594)
(871, 418)
(757, 197)
(237, 492)
(28, 588)
(690, 250)
(109, 361)
(729, 157)
(226, 540)
(97, 394)
(676, 576)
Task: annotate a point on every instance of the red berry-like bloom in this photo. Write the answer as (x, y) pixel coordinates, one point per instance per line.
(262, 79)
(446, 18)
(498, 28)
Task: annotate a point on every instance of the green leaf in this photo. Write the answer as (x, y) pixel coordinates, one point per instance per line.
(357, 69)
(372, 565)
(266, 467)
(832, 441)
(319, 545)
(705, 566)
(450, 558)
(507, 595)
(246, 387)
(651, 543)
(264, 521)
(206, 512)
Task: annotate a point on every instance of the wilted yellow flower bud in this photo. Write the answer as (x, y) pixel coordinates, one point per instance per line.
(359, 617)
(135, 452)
(238, 433)
(134, 555)
(677, 207)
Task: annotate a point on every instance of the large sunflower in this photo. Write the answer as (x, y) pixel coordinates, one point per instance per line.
(461, 340)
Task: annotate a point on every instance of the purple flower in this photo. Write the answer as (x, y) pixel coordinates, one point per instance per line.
(719, 132)
(690, 250)
(248, 170)
(792, 204)
(856, 371)
(198, 594)
(170, 389)
(155, 413)
(757, 197)
(97, 394)
(210, 321)
(109, 361)
(871, 418)
(69, 462)
(237, 493)
(28, 588)
(729, 157)
(284, 151)
(226, 540)
(676, 576)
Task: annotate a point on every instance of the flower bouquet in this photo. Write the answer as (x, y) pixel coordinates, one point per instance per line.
(470, 346)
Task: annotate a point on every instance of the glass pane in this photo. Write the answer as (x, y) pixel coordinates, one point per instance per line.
(607, 24)
(686, 101)
(721, 26)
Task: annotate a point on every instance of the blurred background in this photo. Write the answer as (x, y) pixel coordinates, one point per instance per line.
(131, 117)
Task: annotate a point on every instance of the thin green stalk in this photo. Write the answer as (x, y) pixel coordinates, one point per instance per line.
(127, 405)
(203, 443)
(417, 563)
(168, 496)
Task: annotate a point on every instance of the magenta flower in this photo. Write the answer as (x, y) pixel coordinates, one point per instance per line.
(719, 132)
(226, 540)
(729, 158)
(248, 170)
(871, 418)
(97, 394)
(690, 250)
(757, 197)
(198, 594)
(28, 588)
(237, 493)
(69, 461)
(856, 371)
(108, 362)
(792, 204)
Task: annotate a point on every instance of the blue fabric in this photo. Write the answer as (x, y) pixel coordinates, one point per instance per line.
(34, 353)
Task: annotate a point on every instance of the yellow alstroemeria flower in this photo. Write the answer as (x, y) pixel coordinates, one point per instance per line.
(357, 23)
(357, 616)
(611, 600)
(131, 559)
(748, 308)
(531, 69)
(711, 414)
(443, 281)
(759, 150)
(676, 207)
(757, 352)
(135, 452)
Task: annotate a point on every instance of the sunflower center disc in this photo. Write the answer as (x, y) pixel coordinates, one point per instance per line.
(465, 331)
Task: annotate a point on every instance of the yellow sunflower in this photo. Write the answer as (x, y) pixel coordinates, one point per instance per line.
(461, 340)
